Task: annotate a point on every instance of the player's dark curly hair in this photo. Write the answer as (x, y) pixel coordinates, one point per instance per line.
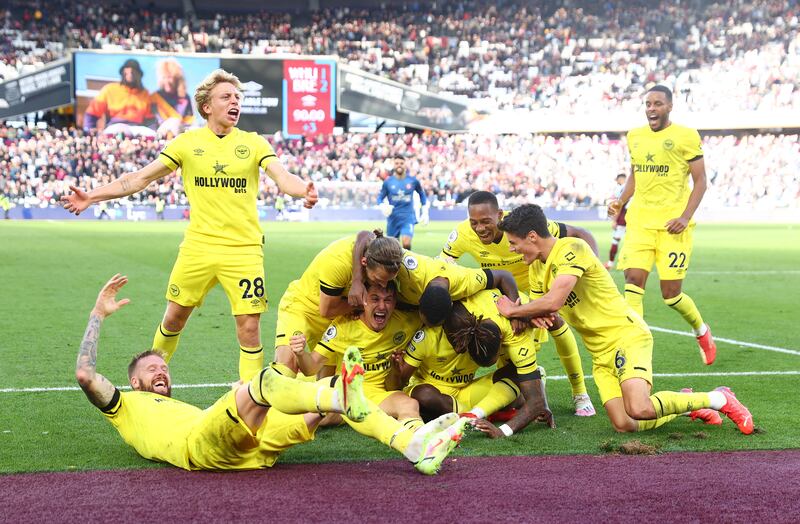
(523, 220)
(479, 337)
(384, 251)
(139, 356)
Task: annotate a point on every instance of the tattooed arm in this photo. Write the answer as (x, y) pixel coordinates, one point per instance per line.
(125, 185)
(98, 389)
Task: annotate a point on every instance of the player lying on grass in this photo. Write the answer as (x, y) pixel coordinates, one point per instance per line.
(444, 361)
(331, 286)
(577, 286)
(480, 237)
(249, 426)
(378, 331)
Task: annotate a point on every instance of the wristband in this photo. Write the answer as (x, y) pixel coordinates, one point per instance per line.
(507, 431)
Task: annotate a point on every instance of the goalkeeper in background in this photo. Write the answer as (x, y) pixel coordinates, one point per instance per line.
(398, 190)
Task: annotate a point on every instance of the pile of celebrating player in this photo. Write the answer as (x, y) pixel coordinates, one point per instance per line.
(408, 349)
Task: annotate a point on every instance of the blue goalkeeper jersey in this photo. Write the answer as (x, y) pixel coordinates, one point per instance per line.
(400, 193)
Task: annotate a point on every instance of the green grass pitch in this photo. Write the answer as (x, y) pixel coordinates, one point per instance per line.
(744, 278)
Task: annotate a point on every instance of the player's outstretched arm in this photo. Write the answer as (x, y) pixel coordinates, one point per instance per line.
(534, 408)
(125, 185)
(545, 306)
(98, 389)
(583, 234)
(697, 168)
(292, 184)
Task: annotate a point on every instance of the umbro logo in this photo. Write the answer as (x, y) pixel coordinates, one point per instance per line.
(198, 152)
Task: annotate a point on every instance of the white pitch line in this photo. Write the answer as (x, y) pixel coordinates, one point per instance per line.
(731, 341)
(549, 377)
(76, 388)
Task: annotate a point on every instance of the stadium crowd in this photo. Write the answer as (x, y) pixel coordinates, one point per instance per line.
(570, 56)
(37, 166)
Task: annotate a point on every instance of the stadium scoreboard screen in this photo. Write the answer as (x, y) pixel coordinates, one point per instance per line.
(296, 96)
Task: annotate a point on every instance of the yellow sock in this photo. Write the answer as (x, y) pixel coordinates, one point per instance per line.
(634, 296)
(501, 394)
(386, 429)
(166, 341)
(251, 361)
(567, 349)
(645, 425)
(674, 403)
(684, 305)
(270, 388)
(283, 369)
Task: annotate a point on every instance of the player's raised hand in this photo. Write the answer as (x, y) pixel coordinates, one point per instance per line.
(677, 225)
(77, 201)
(311, 196)
(107, 302)
(614, 208)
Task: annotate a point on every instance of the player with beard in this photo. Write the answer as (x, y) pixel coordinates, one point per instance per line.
(399, 189)
(660, 223)
(220, 166)
(250, 426)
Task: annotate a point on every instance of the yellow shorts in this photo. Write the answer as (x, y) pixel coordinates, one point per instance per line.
(631, 358)
(376, 394)
(221, 441)
(670, 253)
(465, 397)
(296, 318)
(241, 275)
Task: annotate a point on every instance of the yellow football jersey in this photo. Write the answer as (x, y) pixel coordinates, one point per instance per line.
(417, 271)
(220, 178)
(595, 307)
(496, 255)
(520, 349)
(437, 363)
(157, 427)
(331, 272)
(660, 162)
(376, 346)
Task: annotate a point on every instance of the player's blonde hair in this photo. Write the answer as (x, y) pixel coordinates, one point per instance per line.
(203, 93)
